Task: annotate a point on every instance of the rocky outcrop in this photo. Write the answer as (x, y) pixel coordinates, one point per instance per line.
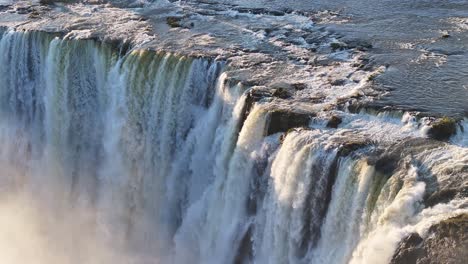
(281, 93)
(409, 250)
(443, 128)
(350, 146)
(446, 242)
(283, 120)
(387, 162)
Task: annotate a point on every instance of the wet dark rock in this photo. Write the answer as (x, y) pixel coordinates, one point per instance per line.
(299, 86)
(260, 11)
(349, 104)
(281, 93)
(283, 120)
(253, 95)
(372, 76)
(174, 21)
(4, 6)
(387, 164)
(338, 45)
(444, 196)
(339, 82)
(359, 44)
(283, 136)
(447, 184)
(408, 251)
(445, 35)
(388, 161)
(50, 2)
(34, 14)
(334, 121)
(24, 10)
(352, 145)
(446, 242)
(443, 128)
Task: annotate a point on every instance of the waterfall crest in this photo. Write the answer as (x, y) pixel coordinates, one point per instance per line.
(150, 154)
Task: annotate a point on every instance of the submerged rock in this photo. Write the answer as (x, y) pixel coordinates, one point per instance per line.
(446, 242)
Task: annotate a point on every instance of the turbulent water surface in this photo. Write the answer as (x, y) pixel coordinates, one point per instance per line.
(119, 153)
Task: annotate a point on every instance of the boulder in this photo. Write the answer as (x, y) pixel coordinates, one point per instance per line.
(443, 128)
(446, 242)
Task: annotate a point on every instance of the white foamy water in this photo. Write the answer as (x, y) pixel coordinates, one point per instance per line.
(150, 157)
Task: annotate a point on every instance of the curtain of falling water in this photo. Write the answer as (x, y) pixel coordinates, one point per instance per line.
(133, 138)
(147, 154)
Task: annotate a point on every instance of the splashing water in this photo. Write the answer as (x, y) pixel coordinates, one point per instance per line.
(146, 157)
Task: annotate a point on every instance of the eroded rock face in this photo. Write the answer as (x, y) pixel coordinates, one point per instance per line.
(446, 242)
(409, 250)
(349, 146)
(283, 120)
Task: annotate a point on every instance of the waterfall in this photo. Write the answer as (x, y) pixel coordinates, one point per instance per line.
(147, 155)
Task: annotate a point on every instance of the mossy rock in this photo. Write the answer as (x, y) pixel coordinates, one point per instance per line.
(443, 128)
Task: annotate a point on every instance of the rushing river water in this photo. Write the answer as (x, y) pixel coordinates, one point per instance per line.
(148, 156)
(427, 72)
(110, 155)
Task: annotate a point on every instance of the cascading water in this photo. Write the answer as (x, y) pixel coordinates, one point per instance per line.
(148, 155)
(112, 133)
